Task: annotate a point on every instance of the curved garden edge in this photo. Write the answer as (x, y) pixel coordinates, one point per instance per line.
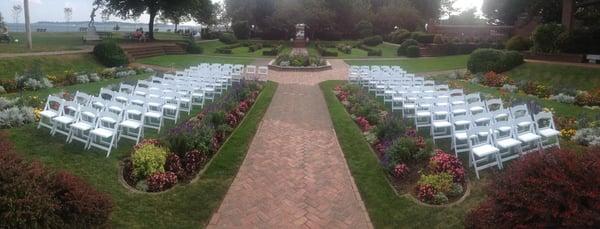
(209, 162)
(386, 208)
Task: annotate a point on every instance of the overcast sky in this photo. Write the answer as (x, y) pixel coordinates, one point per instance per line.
(53, 10)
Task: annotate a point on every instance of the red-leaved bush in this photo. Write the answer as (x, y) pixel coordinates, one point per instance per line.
(425, 192)
(492, 79)
(444, 162)
(555, 189)
(160, 181)
(193, 161)
(80, 204)
(400, 170)
(173, 164)
(32, 196)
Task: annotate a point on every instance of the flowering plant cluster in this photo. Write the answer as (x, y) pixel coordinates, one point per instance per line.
(444, 177)
(189, 145)
(400, 170)
(492, 79)
(443, 162)
(363, 123)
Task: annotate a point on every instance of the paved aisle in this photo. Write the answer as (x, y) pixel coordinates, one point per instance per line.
(295, 175)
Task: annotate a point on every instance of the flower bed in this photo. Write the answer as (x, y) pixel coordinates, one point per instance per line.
(414, 167)
(156, 165)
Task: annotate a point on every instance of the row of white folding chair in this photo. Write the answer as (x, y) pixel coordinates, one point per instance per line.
(171, 103)
(199, 91)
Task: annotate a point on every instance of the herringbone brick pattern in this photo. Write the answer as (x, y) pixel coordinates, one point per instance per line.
(295, 175)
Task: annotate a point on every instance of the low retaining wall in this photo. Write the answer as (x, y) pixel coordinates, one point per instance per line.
(272, 66)
(560, 57)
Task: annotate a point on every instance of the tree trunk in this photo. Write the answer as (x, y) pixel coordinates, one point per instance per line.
(151, 24)
(176, 25)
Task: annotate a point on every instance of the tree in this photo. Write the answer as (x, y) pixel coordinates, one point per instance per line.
(105, 16)
(467, 17)
(176, 16)
(508, 11)
(318, 16)
(364, 28)
(433, 9)
(134, 8)
(2, 25)
(16, 12)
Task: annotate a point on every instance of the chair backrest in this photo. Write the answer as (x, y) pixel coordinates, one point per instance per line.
(544, 120)
(429, 83)
(88, 115)
(54, 103)
(143, 84)
(473, 98)
(108, 120)
(519, 111)
(155, 104)
(524, 124)
(106, 94)
(126, 88)
(479, 135)
(263, 70)
(494, 105)
(477, 104)
(250, 69)
(461, 123)
(501, 115)
(457, 92)
(502, 130)
(443, 87)
(134, 112)
(82, 98)
(114, 107)
(440, 113)
(425, 104)
(482, 119)
(71, 109)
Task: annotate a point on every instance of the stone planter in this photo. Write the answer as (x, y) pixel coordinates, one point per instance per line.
(273, 66)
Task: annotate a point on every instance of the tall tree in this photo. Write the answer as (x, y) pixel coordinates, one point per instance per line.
(433, 9)
(467, 17)
(508, 11)
(134, 8)
(68, 14)
(175, 16)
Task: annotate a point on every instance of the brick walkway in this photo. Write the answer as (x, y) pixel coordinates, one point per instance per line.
(295, 175)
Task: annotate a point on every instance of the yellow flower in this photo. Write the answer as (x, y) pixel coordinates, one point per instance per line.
(37, 112)
(567, 133)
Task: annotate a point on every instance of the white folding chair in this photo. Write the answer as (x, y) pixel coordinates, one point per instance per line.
(440, 123)
(132, 126)
(423, 113)
(481, 119)
(106, 94)
(505, 140)
(86, 121)
(126, 88)
(544, 123)
(53, 107)
(494, 105)
(460, 128)
(104, 135)
(171, 106)
(526, 134)
(67, 116)
(114, 107)
(482, 153)
(477, 107)
(98, 103)
(153, 118)
(250, 72)
(263, 72)
(82, 98)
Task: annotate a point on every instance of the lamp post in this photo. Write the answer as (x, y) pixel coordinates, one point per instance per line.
(27, 24)
(252, 30)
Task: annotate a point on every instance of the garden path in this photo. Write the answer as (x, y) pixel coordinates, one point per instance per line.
(295, 174)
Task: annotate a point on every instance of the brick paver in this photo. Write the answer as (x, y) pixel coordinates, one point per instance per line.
(295, 175)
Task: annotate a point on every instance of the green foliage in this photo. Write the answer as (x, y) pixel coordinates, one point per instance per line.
(299, 60)
(440, 198)
(323, 50)
(370, 51)
(422, 37)
(413, 51)
(518, 43)
(455, 190)
(441, 182)
(546, 38)
(193, 48)
(402, 151)
(228, 38)
(398, 36)
(148, 159)
(110, 54)
(273, 51)
(373, 40)
(487, 60)
(404, 46)
(364, 29)
(241, 29)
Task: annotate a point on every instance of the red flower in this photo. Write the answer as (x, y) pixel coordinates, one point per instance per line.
(400, 170)
(444, 162)
(363, 123)
(425, 192)
(161, 181)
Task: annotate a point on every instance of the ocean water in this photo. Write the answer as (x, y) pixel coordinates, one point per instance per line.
(100, 26)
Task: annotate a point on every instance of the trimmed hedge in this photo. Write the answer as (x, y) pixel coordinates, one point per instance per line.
(422, 37)
(373, 40)
(518, 43)
(110, 54)
(193, 48)
(487, 60)
(228, 38)
(370, 51)
(273, 51)
(227, 49)
(324, 52)
(413, 51)
(407, 43)
(399, 36)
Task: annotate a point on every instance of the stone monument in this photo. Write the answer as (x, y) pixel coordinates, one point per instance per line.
(91, 34)
(300, 39)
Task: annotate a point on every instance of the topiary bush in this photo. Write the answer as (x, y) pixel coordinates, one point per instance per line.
(518, 43)
(110, 54)
(488, 60)
(193, 48)
(373, 40)
(148, 159)
(555, 189)
(546, 38)
(413, 51)
(407, 43)
(398, 36)
(422, 37)
(228, 38)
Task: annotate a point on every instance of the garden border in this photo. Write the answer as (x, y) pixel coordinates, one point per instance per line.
(272, 66)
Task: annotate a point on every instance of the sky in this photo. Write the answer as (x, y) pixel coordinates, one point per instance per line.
(53, 10)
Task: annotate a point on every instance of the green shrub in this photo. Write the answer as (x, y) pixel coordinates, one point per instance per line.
(273, 51)
(241, 29)
(405, 45)
(438, 39)
(370, 51)
(455, 190)
(413, 51)
(487, 60)
(193, 48)
(323, 50)
(110, 54)
(546, 38)
(255, 47)
(398, 36)
(402, 151)
(518, 43)
(373, 41)
(148, 159)
(441, 182)
(422, 37)
(228, 38)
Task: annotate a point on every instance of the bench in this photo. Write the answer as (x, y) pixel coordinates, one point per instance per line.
(593, 59)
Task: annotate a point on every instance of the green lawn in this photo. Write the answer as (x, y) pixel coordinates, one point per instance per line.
(210, 47)
(558, 76)
(388, 51)
(387, 209)
(52, 65)
(424, 64)
(184, 61)
(189, 206)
